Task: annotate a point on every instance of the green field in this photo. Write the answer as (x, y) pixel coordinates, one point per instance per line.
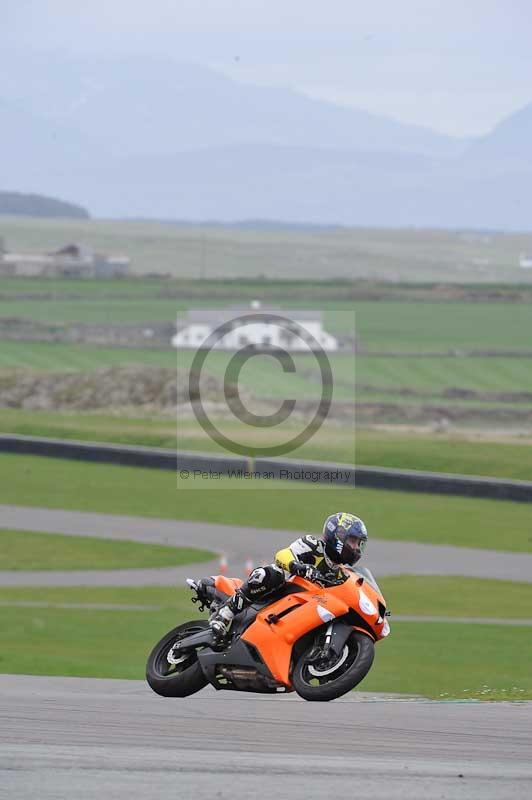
(59, 357)
(27, 550)
(436, 375)
(439, 519)
(380, 325)
(387, 375)
(378, 379)
(412, 366)
(209, 251)
(463, 454)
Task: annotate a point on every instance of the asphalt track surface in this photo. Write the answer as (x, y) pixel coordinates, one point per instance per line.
(240, 544)
(64, 738)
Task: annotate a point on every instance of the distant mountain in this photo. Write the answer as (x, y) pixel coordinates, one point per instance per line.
(314, 186)
(35, 205)
(262, 181)
(510, 140)
(136, 138)
(135, 106)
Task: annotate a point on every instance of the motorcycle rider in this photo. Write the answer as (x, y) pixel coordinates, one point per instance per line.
(343, 541)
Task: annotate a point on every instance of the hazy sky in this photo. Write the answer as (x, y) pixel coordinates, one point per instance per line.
(458, 67)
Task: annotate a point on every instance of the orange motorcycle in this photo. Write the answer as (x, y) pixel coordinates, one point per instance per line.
(316, 639)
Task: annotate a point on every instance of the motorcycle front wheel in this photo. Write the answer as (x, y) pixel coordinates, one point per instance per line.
(328, 679)
(172, 676)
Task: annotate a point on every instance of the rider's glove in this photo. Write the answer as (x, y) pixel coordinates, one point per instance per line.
(304, 570)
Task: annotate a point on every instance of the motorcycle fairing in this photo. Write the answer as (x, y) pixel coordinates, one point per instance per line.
(239, 668)
(225, 585)
(284, 622)
(366, 619)
(359, 582)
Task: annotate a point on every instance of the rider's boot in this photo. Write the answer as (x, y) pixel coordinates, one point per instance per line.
(222, 619)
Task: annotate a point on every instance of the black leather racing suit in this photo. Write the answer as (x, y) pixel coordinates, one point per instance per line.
(265, 581)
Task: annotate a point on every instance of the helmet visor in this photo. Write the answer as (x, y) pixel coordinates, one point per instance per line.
(355, 544)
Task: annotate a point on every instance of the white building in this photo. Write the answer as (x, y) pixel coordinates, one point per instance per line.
(255, 326)
(525, 261)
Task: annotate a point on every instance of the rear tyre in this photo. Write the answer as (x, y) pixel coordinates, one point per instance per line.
(327, 681)
(181, 679)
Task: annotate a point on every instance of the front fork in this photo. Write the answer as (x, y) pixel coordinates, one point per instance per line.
(319, 652)
(336, 635)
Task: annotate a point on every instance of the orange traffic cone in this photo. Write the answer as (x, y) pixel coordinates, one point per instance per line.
(223, 564)
(248, 569)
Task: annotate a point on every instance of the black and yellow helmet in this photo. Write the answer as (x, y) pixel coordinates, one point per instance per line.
(344, 537)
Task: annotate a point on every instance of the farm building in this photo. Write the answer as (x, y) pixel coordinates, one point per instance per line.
(255, 326)
(73, 260)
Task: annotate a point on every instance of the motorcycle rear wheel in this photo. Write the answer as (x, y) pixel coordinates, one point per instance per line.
(338, 677)
(176, 680)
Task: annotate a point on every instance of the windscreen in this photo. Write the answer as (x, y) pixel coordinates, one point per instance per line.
(365, 573)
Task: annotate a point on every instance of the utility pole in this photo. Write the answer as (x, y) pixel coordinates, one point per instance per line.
(202, 256)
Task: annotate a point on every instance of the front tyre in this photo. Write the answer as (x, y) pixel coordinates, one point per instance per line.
(329, 679)
(179, 679)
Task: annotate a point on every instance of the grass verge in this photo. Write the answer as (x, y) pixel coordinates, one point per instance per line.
(439, 519)
(444, 661)
(26, 550)
(457, 597)
(167, 597)
(457, 453)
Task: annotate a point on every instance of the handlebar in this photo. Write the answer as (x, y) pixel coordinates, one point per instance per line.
(310, 573)
(323, 579)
